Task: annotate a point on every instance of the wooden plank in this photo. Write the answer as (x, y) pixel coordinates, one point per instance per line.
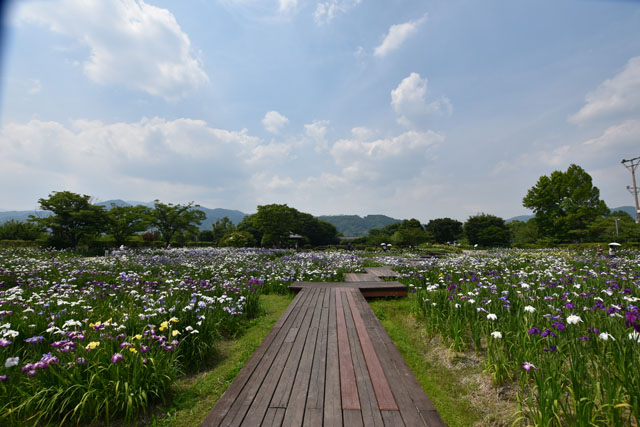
(332, 398)
(280, 398)
(294, 415)
(381, 272)
(270, 365)
(313, 417)
(415, 407)
(348, 387)
(230, 395)
(383, 393)
(352, 418)
(368, 406)
(273, 417)
(315, 397)
(392, 419)
(361, 277)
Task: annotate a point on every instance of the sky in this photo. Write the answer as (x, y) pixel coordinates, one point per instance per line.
(412, 109)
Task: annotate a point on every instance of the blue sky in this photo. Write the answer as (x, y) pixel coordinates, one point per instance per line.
(421, 109)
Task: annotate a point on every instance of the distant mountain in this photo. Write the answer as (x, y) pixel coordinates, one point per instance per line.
(355, 225)
(523, 218)
(218, 213)
(21, 215)
(628, 209)
(118, 202)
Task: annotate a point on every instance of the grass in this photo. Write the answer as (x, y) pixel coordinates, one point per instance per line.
(455, 383)
(194, 397)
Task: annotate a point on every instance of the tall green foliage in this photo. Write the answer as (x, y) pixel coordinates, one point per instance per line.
(565, 204)
(444, 230)
(74, 218)
(125, 221)
(487, 230)
(172, 220)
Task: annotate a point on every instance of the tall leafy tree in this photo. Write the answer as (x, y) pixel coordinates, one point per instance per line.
(275, 222)
(222, 228)
(74, 218)
(125, 221)
(487, 230)
(444, 230)
(172, 220)
(565, 203)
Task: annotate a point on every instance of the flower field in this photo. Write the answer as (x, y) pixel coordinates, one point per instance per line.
(86, 339)
(564, 326)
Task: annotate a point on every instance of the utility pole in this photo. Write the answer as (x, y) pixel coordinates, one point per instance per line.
(632, 164)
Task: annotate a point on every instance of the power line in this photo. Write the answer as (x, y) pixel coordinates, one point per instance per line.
(632, 164)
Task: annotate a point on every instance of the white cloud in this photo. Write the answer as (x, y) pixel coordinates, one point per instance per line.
(409, 101)
(131, 43)
(124, 159)
(274, 121)
(397, 35)
(328, 10)
(392, 158)
(317, 131)
(287, 5)
(617, 96)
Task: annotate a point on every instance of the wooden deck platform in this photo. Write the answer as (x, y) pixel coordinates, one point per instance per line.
(327, 361)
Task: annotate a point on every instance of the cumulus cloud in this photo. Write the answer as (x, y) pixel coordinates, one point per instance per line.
(274, 121)
(326, 11)
(397, 35)
(394, 157)
(617, 96)
(131, 43)
(409, 101)
(182, 153)
(317, 131)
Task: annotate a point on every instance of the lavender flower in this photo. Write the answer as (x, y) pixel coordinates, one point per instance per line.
(528, 366)
(117, 357)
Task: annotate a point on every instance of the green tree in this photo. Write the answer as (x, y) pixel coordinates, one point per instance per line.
(565, 203)
(125, 221)
(173, 220)
(248, 224)
(275, 222)
(19, 230)
(523, 233)
(444, 230)
(487, 231)
(74, 218)
(239, 239)
(222, 228)
(603, 229)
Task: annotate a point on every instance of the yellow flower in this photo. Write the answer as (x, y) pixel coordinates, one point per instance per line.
(174, 333)
(137, 337)
(164, 325)
(174, 320)
(92, 345)
(133, 350)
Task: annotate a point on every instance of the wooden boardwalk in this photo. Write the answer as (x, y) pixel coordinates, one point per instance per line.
(327, 361)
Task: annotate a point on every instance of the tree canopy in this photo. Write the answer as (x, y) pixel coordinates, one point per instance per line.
(487, 230)
(125, 221)
(444, 230)
(74, 218)
(171, 219)
(565, 203)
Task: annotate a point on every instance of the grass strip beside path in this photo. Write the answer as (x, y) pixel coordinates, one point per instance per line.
(461, 393)
(195, 396)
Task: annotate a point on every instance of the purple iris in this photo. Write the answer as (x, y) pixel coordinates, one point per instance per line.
(117, 357)
(533, 331)
(559, 326)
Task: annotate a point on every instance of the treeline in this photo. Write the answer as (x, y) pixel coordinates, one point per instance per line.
(76, 222)
(567, 209)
